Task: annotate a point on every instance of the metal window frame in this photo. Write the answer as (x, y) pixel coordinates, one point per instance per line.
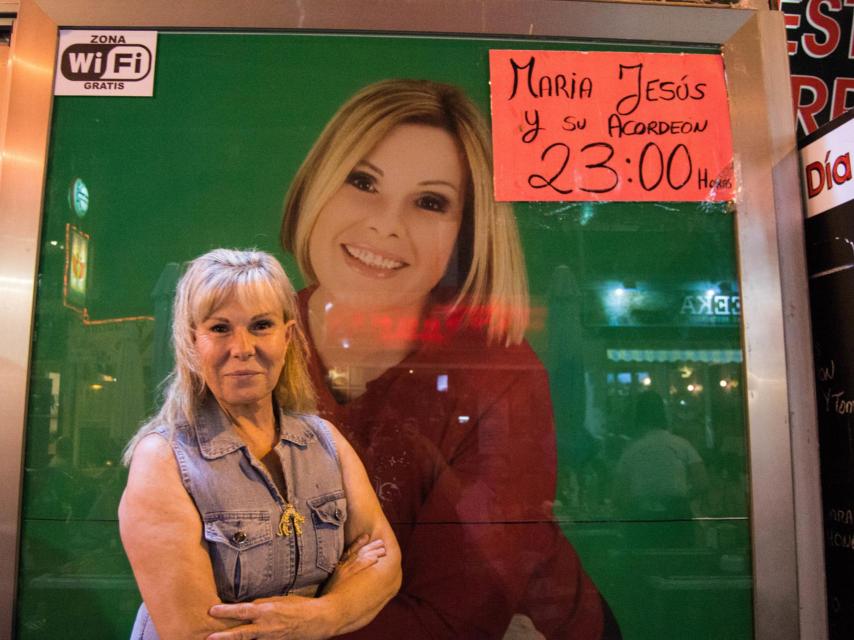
(789, 589)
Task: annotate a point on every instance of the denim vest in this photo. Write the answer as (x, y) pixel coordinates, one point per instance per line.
(261, 543)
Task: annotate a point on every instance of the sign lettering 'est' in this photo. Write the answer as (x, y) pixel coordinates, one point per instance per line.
(579, 126)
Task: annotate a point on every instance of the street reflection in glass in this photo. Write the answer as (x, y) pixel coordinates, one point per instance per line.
(626, 414)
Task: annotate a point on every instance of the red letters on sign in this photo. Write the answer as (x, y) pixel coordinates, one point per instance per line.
(850, 3)
(841, 87)
(793, 21)
(827, 25)
(820, 176)
(807, 110)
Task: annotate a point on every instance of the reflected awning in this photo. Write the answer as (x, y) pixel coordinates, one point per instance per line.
(716, 356)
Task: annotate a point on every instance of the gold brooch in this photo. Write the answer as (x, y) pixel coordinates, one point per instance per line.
(290, 516)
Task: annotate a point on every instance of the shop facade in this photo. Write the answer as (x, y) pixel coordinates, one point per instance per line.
(702, 304)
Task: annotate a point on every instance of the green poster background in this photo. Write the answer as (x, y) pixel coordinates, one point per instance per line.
(622, 298)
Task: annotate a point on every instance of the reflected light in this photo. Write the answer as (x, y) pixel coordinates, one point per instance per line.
(463, 419)
(587, 213)
(53, 243)
(327, 307)
(619, 292)
(442, 382)
(96, 387)
(728, 385)
(78, 197)
(29, 65)
(345, 343)
(22, 158)
(690, 387)
(11, 282)
(646, 381)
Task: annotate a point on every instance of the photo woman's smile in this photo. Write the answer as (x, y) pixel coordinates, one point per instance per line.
(371, 262)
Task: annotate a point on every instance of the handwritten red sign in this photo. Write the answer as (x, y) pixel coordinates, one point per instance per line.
(578, 126)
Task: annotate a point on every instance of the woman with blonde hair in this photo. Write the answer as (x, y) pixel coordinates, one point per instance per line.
(237, 492)
(416, 310)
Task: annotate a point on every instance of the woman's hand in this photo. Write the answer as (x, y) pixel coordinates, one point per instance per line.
(292, 616)
(277, 618)
(366, 578)
(368, 575)
(360, 555)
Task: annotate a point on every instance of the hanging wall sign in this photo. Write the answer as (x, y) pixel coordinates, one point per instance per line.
(105, 63)
(829, 231)
(574, 126)
(826, 166)
(821, 48)
(76, 267)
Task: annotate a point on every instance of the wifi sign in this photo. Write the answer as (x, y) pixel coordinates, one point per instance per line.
(106, 63)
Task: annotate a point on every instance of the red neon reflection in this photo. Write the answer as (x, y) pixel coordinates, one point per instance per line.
(438, 327)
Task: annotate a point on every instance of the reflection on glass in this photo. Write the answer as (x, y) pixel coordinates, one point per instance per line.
(645, 368)
(626, 300)
(659, 474)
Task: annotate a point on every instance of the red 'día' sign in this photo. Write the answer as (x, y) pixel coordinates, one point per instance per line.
(577, 126)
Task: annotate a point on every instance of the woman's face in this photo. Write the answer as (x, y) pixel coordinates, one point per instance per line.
(385, 238)
(241, 350)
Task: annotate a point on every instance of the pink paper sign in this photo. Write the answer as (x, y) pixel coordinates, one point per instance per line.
(577, 126)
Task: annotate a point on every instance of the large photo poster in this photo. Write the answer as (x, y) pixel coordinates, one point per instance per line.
(546, 396)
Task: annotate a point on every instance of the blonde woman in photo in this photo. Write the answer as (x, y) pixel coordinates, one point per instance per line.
(416, 311)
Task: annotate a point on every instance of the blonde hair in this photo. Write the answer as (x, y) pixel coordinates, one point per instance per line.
(208, 282)
(493, 274)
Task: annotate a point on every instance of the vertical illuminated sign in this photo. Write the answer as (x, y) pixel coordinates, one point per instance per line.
(76, 267)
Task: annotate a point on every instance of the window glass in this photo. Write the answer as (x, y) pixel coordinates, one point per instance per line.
(611, 437)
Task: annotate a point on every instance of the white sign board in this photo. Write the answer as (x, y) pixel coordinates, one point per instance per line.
(105, 63)
(826, 165)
